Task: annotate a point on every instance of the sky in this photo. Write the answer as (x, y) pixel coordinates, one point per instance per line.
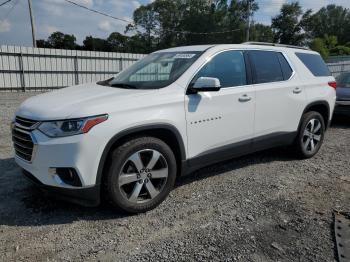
(58, 15)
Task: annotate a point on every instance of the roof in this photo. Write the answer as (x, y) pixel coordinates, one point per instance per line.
(275, 44)
(189, 48)
(247, 45)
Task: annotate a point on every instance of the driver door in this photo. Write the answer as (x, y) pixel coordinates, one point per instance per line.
(221, 124)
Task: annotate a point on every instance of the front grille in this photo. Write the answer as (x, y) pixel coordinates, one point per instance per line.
(25, 123)
(22, 139)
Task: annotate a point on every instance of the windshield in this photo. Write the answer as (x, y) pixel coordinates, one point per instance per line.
(156, 70)
(343, 80)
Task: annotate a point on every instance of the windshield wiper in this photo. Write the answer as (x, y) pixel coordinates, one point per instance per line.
(105, 82)
(123, 85)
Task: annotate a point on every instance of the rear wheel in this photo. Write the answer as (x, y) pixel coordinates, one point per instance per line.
(141, 175)
(311, 134)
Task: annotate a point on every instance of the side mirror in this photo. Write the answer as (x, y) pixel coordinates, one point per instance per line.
(204, 84)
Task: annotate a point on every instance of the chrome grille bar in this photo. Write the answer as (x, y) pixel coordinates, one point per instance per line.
(26, 123)
(22, 138)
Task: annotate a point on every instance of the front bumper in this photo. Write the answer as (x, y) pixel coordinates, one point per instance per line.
(81, 153)
(89, 196)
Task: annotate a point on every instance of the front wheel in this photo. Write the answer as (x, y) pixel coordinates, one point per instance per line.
(311, 134)
(141, 175)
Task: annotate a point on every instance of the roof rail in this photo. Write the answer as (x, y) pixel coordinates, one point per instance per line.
(274, 44)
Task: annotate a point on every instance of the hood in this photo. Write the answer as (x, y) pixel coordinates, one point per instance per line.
(77, 101)
(343, 93)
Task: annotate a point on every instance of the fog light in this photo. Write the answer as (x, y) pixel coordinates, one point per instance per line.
(67, 175)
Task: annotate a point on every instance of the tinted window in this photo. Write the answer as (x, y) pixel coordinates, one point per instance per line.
(267, 66)
(314, 63)
(228, 67)
(286, 70)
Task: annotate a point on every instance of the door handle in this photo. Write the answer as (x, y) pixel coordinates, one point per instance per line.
(297, 90)
(244, 98)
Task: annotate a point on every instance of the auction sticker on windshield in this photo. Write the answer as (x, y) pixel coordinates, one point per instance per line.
(184, 56)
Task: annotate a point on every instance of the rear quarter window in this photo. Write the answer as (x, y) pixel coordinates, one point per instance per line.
(314, 63)
(267, 67)
(286, 69)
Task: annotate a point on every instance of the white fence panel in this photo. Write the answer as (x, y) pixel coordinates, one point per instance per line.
(337, 68)
(26, 68)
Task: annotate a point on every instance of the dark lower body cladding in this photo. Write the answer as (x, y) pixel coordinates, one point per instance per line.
(239, 149)
(83, 196)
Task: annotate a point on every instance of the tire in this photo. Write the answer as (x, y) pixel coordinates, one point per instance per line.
(310, 135)
(141, 175)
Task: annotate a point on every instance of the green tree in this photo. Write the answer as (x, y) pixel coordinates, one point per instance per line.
(197, 17)
(319, 45)
(168, 15)
(60, 40)
(261, 33)
(340, 50)
(43, 43)
(330, 41)
(144, 18)
(288, 25)
(136, 44)
(330, 20)
(166, 23)
(96, 44)
(117, 42)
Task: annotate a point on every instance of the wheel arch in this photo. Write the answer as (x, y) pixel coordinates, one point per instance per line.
(321, 107)
(166, 132)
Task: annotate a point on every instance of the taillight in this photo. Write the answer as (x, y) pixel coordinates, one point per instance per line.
(333, 84)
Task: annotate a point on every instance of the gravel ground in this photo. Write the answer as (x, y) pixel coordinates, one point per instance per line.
(262, 207)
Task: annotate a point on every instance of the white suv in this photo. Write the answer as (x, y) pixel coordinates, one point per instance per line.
(176, 110)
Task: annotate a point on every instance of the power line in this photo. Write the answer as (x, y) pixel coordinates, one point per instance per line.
(98, 12)
(4, 3)
(131, 22)
(202, 33)
(8, 13)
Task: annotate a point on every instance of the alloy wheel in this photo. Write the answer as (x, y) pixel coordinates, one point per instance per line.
(143, 176)
(312, 135)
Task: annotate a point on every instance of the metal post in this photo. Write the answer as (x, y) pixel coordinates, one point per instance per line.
(20, 60)
(248, 22)
(76, 72)
(120, 64)
(32, 22)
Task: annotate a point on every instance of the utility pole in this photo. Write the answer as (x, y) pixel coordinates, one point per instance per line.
(32, 22)
(248, 22)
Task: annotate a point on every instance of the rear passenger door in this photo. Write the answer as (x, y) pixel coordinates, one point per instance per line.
(280, 99)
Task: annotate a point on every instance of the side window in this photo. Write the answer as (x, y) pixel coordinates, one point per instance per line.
(314, 63)
(228, 67)
(267, 66)
(286, 70)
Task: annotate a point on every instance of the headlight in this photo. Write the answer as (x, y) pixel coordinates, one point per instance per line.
(70, 127)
